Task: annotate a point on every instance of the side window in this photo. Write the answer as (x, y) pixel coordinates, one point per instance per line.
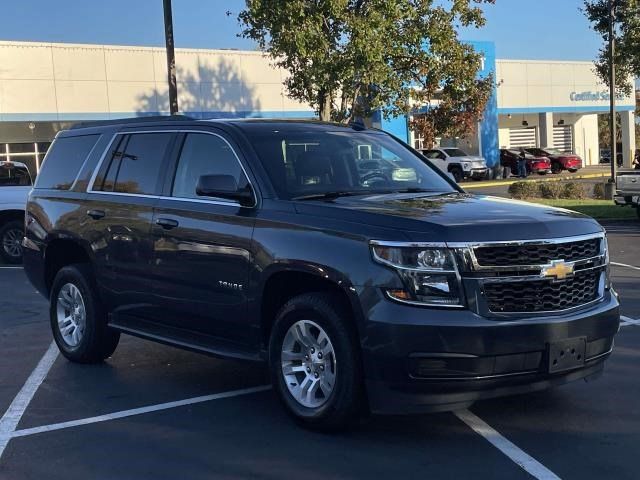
(135, 164)
(63, 161)
(204, 154)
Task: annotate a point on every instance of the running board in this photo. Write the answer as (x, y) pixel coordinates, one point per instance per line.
(181, 338)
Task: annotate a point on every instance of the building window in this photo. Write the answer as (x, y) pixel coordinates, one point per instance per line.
(31, 154)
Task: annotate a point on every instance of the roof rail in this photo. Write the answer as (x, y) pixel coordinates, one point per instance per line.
(120, 121)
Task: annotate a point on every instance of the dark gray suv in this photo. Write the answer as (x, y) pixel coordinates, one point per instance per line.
(337, 254)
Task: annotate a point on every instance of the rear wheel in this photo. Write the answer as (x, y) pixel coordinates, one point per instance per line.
(11, 234)
(556, 167)
(78, 320)
(315, 362)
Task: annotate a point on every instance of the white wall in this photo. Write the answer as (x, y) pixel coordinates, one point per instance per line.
(535, 84)
(48, 81)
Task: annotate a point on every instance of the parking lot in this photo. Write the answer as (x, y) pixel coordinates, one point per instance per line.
(157, 412)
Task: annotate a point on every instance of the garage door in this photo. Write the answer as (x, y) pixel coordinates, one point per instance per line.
(522, 137)
(563, 138)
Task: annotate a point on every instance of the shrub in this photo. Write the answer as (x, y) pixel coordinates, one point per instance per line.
(551, 189)
(573, 191)
(598, 191)
(522, 190)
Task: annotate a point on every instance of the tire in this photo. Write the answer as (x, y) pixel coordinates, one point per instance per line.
(339, 408)
(11, 234)
(556, 167)
(89, 343)
(457, 174)
(638, 211)
(573, 170)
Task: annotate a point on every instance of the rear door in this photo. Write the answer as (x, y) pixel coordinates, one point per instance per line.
(120, 203)
(201, 244)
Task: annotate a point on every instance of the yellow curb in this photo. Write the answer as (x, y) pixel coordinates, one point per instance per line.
(497, 183)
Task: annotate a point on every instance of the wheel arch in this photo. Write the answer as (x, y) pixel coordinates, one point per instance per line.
(281, 283)
(60, 252)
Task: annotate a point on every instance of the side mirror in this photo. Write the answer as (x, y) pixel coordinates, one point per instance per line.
(224, 186)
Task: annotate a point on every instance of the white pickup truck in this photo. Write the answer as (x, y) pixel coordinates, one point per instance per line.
(628, 190)
(15, 185)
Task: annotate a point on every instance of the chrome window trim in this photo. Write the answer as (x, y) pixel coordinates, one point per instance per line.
(162, 197)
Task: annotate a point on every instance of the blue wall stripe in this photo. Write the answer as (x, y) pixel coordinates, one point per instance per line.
(84, 116)
(592, 109)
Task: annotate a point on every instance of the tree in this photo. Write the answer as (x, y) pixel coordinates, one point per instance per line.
(627, 40)
(347, 58)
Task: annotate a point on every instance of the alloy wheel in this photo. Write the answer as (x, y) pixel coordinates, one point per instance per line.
(71, 314)
(308, 363)
(12, 243)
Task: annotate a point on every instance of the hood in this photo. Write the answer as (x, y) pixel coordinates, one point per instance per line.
(454, 217)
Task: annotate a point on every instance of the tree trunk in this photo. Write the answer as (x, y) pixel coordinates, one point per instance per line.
(324, 106)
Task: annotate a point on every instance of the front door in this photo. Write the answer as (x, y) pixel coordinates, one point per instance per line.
(202, 245)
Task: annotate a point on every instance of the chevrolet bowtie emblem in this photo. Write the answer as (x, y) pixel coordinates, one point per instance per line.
(558, 269)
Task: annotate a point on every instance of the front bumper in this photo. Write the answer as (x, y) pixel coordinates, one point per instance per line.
(476, 173)
(420, 359)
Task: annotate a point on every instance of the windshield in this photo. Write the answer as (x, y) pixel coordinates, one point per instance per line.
(455, 152)
(314, 161)
(12, 175)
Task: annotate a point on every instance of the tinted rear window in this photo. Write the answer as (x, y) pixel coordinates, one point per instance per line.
(63, 161)
(135, 164)
(12, 175)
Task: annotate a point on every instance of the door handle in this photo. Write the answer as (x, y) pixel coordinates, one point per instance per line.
(167, 223)
(96, 214)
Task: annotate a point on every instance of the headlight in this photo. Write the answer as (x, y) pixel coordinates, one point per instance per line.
(466, 166)
(429, 274)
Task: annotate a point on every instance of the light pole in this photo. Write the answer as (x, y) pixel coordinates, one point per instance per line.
(612, 91)
(171, 58)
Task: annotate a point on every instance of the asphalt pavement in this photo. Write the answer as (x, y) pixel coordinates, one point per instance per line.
(156, 412)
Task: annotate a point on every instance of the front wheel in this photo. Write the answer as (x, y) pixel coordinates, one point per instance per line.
(457, 174)
(11, 234)
(315, 362)
(556, 167)
(78, 320)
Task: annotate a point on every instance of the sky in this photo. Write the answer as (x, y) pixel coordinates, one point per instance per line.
(531, 29)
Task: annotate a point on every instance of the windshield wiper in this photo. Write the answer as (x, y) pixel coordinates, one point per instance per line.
(329, 195)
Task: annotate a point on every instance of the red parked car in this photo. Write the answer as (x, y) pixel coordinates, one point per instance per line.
(559, 160)
(535, 164)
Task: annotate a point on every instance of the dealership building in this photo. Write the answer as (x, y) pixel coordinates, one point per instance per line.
(45, 87)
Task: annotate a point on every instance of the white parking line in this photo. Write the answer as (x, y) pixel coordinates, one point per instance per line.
(12, 416)
(625, 265)
(525, 461)
(624, 321)
(136, 411)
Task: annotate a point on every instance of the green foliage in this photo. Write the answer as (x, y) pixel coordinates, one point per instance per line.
(598, 191)
(573, 191)
(627, 39)
(347, 58)
(524, 190)
(551, 189)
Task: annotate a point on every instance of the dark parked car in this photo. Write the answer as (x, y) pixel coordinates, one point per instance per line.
(559, 160)
(535, 164)
(363, 276)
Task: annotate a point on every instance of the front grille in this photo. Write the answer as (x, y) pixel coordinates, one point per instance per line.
(542, 295)
(536, 254)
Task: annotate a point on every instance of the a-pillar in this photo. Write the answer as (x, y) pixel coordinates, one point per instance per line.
(545, 120)
(628, 124)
